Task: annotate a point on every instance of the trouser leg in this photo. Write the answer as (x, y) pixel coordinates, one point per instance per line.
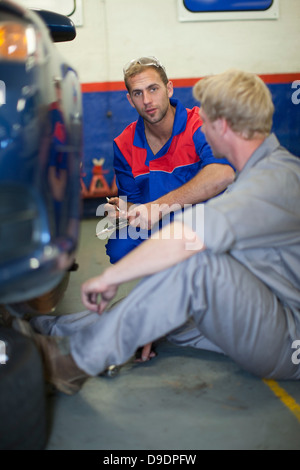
(128, 238)
(157, 305)
(122, 243)
(244, 318)
(189, 335)
(63, 325)
(231, 308)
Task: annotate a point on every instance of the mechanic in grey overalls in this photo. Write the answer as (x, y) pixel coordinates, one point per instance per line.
(236, 292)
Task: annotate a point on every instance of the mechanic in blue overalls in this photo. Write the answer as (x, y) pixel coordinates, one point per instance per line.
(161, 161)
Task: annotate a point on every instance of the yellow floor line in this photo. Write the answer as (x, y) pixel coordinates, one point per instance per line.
(286, 399)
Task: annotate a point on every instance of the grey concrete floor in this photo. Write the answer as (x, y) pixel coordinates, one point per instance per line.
(182, 400)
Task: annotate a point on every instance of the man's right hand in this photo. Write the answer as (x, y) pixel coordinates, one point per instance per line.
(96, 293)
(111, 208)
(146, 353)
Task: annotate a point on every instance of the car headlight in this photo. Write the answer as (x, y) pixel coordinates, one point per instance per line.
(18, 42)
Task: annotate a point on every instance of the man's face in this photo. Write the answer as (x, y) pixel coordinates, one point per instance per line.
(211, 129)
(149, 95)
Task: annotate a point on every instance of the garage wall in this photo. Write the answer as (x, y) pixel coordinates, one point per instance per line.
(115, 31)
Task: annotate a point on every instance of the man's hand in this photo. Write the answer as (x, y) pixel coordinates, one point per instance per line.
(144, 215)
(146, 353)
(116, 208)
(96, 293)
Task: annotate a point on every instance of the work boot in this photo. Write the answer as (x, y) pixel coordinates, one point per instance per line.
(43, 324)
(60, 368)
(6, 319)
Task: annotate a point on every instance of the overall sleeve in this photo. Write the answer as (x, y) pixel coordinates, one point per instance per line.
(254, 215)
(124, 178)
(204, 151)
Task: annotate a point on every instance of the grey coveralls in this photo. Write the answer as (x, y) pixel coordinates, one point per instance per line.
(241, 296)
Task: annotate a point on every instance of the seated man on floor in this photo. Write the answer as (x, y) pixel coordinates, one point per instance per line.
(228, 270)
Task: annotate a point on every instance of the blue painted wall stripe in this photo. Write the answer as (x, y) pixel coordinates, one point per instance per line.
(107, 113)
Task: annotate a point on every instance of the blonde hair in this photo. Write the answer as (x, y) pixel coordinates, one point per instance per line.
(241, 98)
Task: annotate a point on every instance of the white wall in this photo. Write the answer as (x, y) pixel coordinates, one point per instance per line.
(115, 31)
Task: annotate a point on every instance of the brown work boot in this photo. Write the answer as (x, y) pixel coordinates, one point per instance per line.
(6, 318)
(60, 368)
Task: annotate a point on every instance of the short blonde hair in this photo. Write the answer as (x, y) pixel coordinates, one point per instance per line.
(242, 98)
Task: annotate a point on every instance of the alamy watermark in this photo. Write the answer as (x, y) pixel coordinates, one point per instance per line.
(2, 93)
(190, 221)
(296, 354)
(296, 93)
(3, 356)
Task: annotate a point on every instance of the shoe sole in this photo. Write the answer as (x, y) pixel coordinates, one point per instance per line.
(24, 328)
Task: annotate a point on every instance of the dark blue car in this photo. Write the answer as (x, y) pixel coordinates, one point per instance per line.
(40, 157)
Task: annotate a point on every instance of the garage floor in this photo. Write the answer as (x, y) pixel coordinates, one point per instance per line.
(182, 400)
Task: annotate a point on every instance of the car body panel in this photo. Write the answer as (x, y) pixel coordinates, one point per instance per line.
(40, 157)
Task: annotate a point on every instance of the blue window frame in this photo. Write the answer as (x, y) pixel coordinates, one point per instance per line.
(200, 6)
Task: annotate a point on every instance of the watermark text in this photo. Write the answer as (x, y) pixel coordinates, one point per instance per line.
(2, 93)
(3, 356)
(296, 354)
(296, 93)
(189, 223)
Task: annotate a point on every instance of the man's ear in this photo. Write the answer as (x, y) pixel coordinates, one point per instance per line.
(170, 89)
(130, 100)
(221, 125)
